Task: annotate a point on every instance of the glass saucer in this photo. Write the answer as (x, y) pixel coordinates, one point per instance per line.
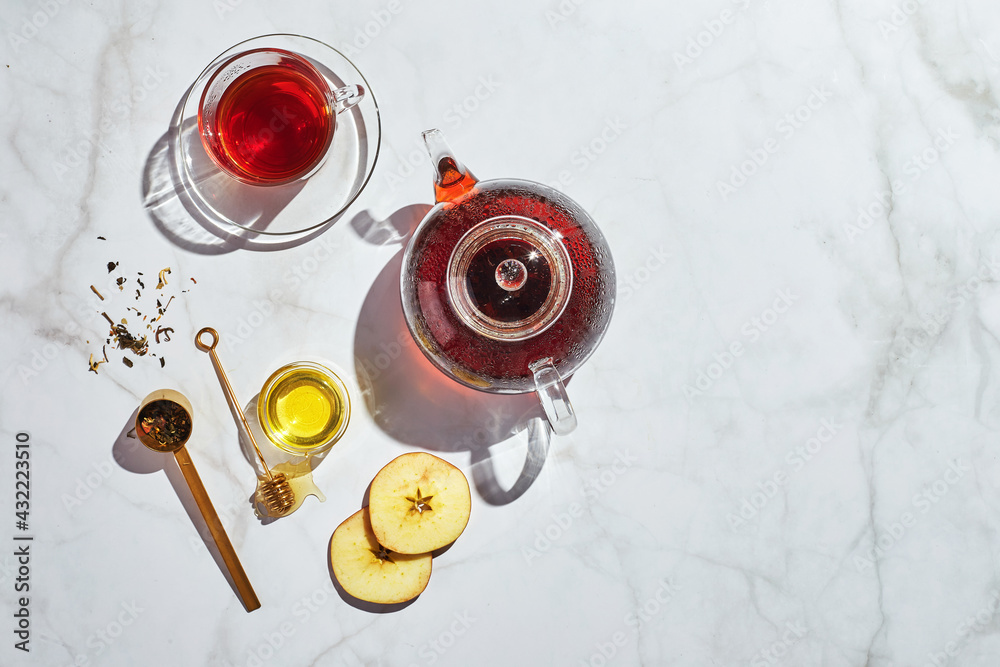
(297, 208)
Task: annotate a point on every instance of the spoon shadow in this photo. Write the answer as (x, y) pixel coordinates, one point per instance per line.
(133, 456)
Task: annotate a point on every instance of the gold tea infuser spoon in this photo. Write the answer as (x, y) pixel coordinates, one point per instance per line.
(163, 424)
(273, 489)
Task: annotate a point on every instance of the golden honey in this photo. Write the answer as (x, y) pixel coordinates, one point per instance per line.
(304, 408)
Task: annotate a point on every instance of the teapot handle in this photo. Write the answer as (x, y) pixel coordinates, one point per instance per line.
(552, 395)
(451, 178)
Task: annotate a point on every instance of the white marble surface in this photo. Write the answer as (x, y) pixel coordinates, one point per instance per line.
(827, 495)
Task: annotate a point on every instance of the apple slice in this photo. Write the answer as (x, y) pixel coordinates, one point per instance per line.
(418, 503)
(368, 571)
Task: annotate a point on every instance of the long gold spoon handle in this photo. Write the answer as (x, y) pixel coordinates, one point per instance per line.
(227, 389)
(215, 527)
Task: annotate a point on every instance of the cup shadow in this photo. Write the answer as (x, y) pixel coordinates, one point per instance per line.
(416, 404)
(175, 200)
(133, 456)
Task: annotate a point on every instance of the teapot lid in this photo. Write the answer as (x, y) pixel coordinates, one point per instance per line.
(509, 278)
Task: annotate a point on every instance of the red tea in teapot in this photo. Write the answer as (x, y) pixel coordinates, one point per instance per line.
(506, 285)
(506, 277)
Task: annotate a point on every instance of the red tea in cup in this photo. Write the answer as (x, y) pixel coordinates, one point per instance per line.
(267, 117)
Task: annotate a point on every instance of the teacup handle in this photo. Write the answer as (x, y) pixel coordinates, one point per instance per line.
(346, 97)
(552, 395)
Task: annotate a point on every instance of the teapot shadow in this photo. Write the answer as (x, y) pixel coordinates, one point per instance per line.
(416, 404)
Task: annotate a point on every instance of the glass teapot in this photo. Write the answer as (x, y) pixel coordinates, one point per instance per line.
(507, 285)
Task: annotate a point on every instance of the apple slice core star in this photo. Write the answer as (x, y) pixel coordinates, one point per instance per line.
(419, 503)
(369, 571)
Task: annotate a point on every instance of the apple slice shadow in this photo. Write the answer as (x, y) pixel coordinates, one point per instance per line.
(362, 605)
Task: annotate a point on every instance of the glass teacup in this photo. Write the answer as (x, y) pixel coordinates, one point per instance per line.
(267, 116)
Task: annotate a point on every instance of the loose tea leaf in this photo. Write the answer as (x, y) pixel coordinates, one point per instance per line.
(126, 341)
(95, 364)
(163, 278)
(137, 342)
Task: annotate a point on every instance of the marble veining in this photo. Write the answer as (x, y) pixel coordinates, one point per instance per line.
(786, 450)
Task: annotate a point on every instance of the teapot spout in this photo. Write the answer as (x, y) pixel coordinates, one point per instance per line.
(451, 178)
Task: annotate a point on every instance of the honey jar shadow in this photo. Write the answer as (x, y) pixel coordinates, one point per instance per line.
(415, 404)
(131, 455)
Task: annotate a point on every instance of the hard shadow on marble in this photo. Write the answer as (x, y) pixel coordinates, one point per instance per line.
(133, 456)
(193, 210)
(414, 403)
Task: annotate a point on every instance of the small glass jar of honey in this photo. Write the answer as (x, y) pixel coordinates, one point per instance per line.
(304, 408)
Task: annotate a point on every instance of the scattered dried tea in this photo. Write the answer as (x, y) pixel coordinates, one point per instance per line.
(95, 364)
(137, 343)
(163, 278)
(126, 341)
